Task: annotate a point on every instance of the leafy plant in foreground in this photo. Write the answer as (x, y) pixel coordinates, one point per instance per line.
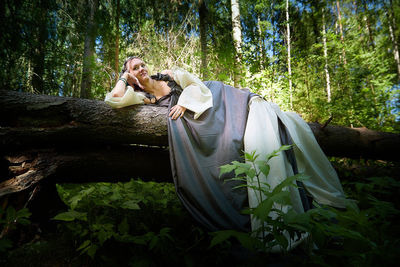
(9, 219)
(351, 235)
(277, 226)
(104, 212)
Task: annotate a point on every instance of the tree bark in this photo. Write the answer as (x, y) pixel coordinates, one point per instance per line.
(23, 169)
(237, 40)
(392, 31)
(117, 40)
(88, 53)
(80, 140)
(40, 36)
(368, 25)
(203, 38)
(288, 56)
(341, 31)
(327, 76)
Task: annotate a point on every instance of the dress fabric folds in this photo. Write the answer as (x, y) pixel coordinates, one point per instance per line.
(198, 147)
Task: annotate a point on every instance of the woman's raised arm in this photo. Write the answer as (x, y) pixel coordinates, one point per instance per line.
(120, 86)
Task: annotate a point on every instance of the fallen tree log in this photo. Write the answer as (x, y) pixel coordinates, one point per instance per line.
(26, 168)
(80, 140)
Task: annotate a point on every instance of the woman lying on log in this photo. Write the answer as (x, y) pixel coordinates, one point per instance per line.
(209, 125)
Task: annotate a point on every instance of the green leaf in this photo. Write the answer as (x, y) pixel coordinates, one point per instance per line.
(281, 240)
(247, 241)
(123, 227)
(264, 167)
(153, 242)
(103, 235)
(276, 152)
(84, 245)
(23, 213)
(251, 173)
(220, 236)
(282, 198)
(92, 250)
(250, 156)
(71, 216)
(226, 169)
(290, 181)
(130, 204)
(263, 209)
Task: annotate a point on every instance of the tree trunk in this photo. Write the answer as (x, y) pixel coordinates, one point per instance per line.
(88, 53)
(261, 49)
(80, 140)
(327, 77)
(203, 38)
(392, 31)
(39, 48)
(288, 56)
(237, 40)
(368, 26)
(341, 31)
(117, 40)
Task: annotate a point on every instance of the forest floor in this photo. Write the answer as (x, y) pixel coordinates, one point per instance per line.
(165, 234)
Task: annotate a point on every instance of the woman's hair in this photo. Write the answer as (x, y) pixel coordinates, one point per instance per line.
(125, 66)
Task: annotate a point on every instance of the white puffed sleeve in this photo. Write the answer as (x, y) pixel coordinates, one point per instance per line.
(129, 98)
(195, 96)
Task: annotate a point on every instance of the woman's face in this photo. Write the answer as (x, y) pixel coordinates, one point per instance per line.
(138, 69)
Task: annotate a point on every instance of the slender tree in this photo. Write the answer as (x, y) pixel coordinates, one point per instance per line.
(339, 20)
(117, 39)
(237, 40)
(392, 30)
(88, 53)
(368, 25)
(327, 76)
(288, 54)
(38, 47)
(203, 38)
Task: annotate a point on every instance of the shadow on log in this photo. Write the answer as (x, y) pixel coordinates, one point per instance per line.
(79, 140)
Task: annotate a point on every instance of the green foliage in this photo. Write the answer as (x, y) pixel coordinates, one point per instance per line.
(102, 214)
(9, 220)
(42, 51)
(361, 234)
(276, 226)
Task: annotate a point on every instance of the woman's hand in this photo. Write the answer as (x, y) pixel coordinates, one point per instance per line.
(177, 112)
(149, 100)
(132, 79)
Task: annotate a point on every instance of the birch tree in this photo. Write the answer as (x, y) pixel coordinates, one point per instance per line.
(288, 54)
(392, 30)
(339, 20)
(237, 40)
(327, 77)
(117, 39)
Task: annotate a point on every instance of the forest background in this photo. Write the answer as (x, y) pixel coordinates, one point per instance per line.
(317, 58)
(322, 59)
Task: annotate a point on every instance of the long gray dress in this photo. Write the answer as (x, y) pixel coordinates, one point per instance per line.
(199, 147)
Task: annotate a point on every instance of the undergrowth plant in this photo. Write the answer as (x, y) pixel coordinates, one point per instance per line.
(336, 237)
(10, 218)
(143, 223)
(105, 212)
(276, 227)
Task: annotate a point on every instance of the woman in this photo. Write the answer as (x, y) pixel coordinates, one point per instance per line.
(209, 125)
(135, 73)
